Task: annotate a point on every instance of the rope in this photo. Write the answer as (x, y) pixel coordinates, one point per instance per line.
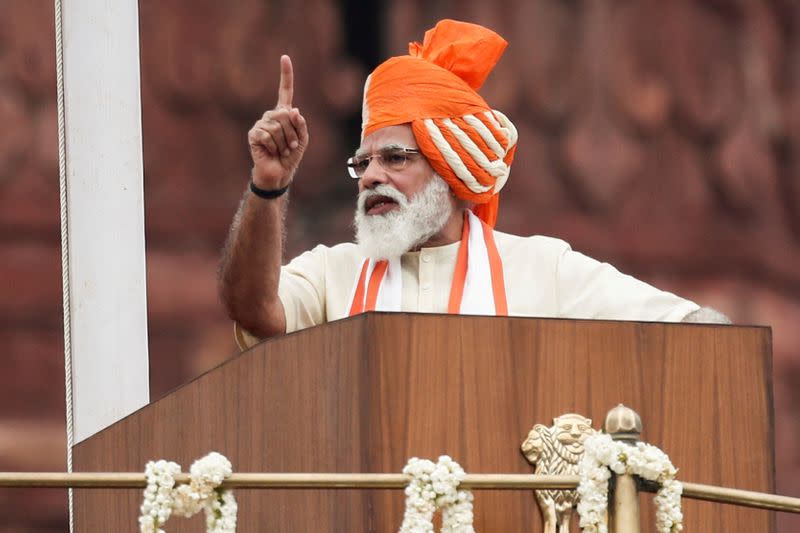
(465, 158)
(65, 286)
(453, 160)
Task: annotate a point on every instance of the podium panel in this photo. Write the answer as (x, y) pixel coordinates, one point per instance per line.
(366, 393)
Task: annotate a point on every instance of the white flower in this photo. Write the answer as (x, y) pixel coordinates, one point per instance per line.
(162, 498)
(432, 487)
(157, 505)
(221, 512)
(604, 455)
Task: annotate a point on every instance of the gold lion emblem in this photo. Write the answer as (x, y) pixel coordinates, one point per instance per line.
(557, 450)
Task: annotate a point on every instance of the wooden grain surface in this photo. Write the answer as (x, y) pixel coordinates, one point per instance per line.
(366, 393)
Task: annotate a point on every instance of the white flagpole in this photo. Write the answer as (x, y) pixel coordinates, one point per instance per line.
(102, 204)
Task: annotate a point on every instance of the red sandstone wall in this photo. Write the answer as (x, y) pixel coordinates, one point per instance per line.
(660, 136)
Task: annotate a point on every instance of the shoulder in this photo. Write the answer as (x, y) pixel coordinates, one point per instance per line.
(535, 244)
(535, 256)
(345, 249)
(328, 256)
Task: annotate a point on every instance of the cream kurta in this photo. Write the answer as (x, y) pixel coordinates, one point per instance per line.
(543, 276)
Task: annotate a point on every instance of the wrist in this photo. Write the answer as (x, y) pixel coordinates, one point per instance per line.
(267, 181)
(268, 194)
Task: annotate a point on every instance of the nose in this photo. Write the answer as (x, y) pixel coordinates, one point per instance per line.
(373, 176)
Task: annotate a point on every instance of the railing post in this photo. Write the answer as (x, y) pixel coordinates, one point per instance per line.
(623, 424)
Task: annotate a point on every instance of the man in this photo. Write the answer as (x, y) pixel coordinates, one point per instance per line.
(432, 160)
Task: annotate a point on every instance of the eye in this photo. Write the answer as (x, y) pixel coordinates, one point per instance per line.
(395, 158)
(360, 164)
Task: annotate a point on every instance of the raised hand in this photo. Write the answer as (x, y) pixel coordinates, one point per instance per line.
(279, 139)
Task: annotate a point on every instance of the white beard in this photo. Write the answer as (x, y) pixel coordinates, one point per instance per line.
(414, 221)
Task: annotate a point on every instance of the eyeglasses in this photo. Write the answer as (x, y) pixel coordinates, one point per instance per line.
(390, 158)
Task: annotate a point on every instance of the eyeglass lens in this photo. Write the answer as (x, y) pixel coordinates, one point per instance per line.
(392, 159)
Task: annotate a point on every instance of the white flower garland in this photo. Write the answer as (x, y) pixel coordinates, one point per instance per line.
(603, 456)
(157, 505)
(432, 487)
(162, 498)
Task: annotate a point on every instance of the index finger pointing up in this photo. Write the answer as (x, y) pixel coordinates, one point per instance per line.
(286, 88)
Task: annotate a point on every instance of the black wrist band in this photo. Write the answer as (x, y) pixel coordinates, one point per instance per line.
(268, 195)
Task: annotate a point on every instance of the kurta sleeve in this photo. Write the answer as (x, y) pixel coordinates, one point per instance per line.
(302, 289)
(302, 292)
(587, 288)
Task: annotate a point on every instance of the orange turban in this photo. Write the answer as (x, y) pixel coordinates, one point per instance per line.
(434, 88)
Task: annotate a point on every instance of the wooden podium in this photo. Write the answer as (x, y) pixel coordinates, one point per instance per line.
(366, 393)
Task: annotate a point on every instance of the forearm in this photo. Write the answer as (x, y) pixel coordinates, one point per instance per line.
(250, 268)
(251, 261)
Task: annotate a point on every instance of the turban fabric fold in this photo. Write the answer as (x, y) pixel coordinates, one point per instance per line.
(434, 89)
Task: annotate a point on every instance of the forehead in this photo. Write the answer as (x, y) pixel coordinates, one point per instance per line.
(401, 135)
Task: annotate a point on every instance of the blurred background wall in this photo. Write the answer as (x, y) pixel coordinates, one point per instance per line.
(661, 136)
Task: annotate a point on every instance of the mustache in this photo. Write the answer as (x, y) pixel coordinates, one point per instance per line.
(381, 190)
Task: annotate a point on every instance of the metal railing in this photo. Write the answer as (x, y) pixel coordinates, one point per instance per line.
(623, 504)
(125, 480)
